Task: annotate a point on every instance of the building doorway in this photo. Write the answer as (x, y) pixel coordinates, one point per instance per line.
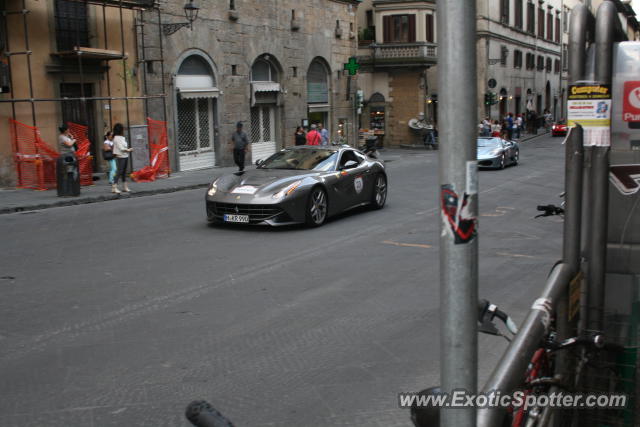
(265, 100)
(82, 113)
(196, 105)
(318, 101)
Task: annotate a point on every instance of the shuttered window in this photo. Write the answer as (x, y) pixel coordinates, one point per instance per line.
(399, 28)
(430, 35)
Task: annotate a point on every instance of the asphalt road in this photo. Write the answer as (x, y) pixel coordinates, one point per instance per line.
(121, 313)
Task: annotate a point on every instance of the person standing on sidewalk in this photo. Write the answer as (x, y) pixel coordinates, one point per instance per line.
(121, 150)
(301, 138)
(107, 154)
(67, 143)
(240, 144)
(313, 137)
(324, 134)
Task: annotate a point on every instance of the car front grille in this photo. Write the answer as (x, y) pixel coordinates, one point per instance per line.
(257, 213)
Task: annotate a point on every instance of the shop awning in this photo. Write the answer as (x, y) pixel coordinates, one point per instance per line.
(265, 87)
(318, 108)
(210, 92)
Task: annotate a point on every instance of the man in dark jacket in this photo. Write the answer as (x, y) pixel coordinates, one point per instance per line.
(240, 144)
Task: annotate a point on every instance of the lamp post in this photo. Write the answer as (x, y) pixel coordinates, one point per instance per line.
(190, 12)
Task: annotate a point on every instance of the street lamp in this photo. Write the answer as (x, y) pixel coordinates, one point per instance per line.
(190, 12)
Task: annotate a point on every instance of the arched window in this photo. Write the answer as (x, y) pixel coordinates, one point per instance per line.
(376, 98)
(263, 71)
(317, 83)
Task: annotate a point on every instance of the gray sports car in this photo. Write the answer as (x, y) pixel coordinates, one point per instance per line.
(494, 152)
(304, 184)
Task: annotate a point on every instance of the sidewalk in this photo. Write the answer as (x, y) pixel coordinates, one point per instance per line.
(18, 200)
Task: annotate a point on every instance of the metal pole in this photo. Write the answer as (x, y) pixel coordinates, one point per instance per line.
(126, 86)
(162, 82)
(457, 90)
(509, 372)
(106, 46)
(28, 50)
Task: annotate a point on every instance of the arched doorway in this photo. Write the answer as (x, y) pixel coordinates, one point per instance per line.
(196, 102)
(318, 100)
(265, 100)
(377, 113)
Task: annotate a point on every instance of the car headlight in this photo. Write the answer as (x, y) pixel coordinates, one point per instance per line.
(286, 190)
(213, 189)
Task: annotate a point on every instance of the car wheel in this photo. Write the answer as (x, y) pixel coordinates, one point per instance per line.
(317, 207)
(516, 157)
(379, 197)
(502, 161)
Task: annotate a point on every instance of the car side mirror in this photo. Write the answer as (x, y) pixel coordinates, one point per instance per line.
(350, 164)
(259, 162)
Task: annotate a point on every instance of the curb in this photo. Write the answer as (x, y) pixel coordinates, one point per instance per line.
(97, 199)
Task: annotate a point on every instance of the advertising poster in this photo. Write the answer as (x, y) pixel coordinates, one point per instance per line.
(589, 105)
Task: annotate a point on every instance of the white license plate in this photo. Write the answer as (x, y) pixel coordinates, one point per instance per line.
(237, 218)
(245, 189)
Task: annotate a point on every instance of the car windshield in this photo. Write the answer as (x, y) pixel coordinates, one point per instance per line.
(489, 143)
(305, 159)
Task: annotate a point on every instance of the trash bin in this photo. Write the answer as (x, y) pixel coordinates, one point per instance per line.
(67, 175)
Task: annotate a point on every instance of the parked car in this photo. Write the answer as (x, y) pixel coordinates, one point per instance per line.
(497, 153)
(559, 128)
(303, 184)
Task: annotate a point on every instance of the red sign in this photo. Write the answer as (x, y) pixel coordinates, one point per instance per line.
(631, 102)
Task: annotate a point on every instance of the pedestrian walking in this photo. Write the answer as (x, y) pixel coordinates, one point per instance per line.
(313, 137)
(324, 134)
(66, 141)
(121, 152)
(300, 136)
(517, 126)
(486, 127)
(240, 145)
(509, 126)
(107, 154)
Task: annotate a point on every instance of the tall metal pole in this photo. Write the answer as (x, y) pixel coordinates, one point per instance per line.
(457, 94)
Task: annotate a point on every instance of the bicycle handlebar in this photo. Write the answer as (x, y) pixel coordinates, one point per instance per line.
(201, 414)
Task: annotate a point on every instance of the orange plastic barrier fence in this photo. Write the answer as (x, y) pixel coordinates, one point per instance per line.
(85, 160)
(158, 153)
(35, 160)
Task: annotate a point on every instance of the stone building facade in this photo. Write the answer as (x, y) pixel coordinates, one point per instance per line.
(272, 65)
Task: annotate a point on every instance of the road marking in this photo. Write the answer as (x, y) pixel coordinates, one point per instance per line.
(408, 245)
(515, 255)
(499, 211)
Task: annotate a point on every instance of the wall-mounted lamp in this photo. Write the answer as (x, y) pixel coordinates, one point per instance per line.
(190, 12)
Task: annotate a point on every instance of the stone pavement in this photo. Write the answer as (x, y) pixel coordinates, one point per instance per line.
(18, 200)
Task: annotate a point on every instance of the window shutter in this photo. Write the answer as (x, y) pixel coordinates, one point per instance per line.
(429, 34)
(386, 28)
(412, 28)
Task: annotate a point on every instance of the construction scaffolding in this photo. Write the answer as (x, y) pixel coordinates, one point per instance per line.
(75, 57)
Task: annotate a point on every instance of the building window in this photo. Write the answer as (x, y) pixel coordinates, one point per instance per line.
(430, 35)
(565, 20)
(549, 24)
(530, 61)
(519, 14)
(399, 28)
(71, 25)
(504, 54)
(294, 71)
(540, 63)
(232, 4)
(541, 22)
(557, 39)
(531, 17)
(263, 71)
(556, 66)
(517, 59)
(548, 65)
(504, 11)
(565, 57)
(234, 70)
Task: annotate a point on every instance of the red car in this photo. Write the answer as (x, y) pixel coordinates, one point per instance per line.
(559, 129)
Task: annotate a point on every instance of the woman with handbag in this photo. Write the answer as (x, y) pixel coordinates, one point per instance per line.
(107, 155)
(121, 152)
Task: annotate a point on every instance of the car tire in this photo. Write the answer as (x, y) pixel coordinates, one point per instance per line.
(503, 161)
(317, 207)
(379, 196)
